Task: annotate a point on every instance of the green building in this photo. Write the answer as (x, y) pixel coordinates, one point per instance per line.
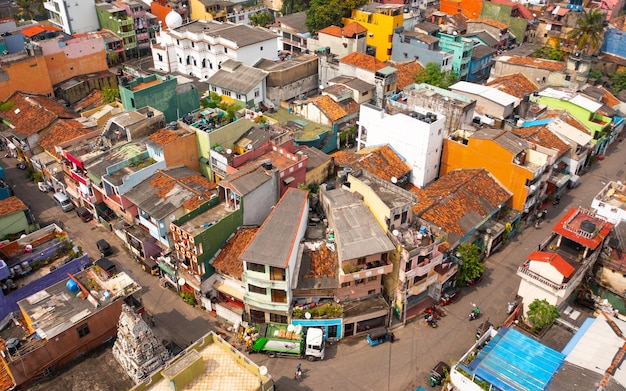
(461, 49)
(117, 20)
(161, 92)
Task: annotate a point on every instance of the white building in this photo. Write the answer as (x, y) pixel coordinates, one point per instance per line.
(73, 16)
(241, 82)
(199, 48)
(610, 203)
(414, 135)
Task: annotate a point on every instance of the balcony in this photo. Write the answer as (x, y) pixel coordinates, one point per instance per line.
(350, 273)
(422, 268)
(555, 287)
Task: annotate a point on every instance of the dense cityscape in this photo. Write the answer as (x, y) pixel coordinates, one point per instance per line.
(312, 194)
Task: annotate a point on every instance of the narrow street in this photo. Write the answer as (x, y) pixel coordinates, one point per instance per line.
(352, 364)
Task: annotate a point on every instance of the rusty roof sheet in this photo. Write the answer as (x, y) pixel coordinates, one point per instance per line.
(227, 261)
(381, 161)
(60, 132)
(11, 205)
(549, 65)
(460, 200)
(406, 73)
(348, 31)
(363, 61)
(163, 136)
(516, 84)
(32, 113)
(91, 101)
(490, 22)
(334, 110)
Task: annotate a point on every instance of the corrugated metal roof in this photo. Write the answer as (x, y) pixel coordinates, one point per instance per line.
(566, 130)
(489, 93)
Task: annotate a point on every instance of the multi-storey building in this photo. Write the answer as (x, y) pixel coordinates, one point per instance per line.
(461, 49)
(73, 16)
(115, 19)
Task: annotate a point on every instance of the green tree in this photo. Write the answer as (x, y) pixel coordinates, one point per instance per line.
(262, 19)
(324, 13)
(588, 32)
(619, 81)
(293, 6)
(541, 314)
(595, 74)
(433, 75)
(30, 9)
(109, 95)
(471, 266)
(549, 53)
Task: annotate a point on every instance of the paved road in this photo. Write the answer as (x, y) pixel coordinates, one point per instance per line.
(352, 364)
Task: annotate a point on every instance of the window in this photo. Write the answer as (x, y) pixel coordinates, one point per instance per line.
(132, 102)
(345, 284)
(261, 48)
(278, 318)
(255, 267)
(277, 273)
(407, 40)
(192, 44)
(177, 42)
(279, 296)
(373, 278)
(160, 56)
(359, 282)
(226, 92)
(213, 88)
(568, 78)
(257, 289)
(361, 261)
(82, 330)
(225, 50)
(371, 292)
(408, 266)
(256, 93)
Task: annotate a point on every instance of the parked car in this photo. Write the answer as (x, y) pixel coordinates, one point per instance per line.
(44, 187)
(104, 247)
(84, 214)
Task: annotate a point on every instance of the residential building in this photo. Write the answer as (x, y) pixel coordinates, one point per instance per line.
(293, 31)
(612, 43)
(461, 49)
(480, 64)
(457, 109)
(556, 269)
(145, 24)
(228, 288)
(363, 249)
(417, 136)
(496, 28)
(381, 161)
(380, 21)
(543, 72)
(74, 17)
(113, 45)
(289, 79)
(553, 25)
(574, 133)
(167, 195)
(30, 117)
(115, 19)
(610, 203)
(199, 48)
(14, 66)
(491, 102)
(84, 92)
(193, 366)
(239, 83)
(15, 218)
(469, 206)
(587, 111)
(199, 234)
(422, 47)
(611, 267)
(335, 108)
(361, 91)
(340, 41)
(506, 156)
(176, 145)
(271, 258)
(406, 73)
(80, 322)
(515, 84)
(161, 92)
(319, 166)
(469, 8)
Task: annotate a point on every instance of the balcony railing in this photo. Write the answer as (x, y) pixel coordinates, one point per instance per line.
(368, 270)
(534, 276)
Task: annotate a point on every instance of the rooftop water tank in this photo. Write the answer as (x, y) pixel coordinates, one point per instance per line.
(72, 285)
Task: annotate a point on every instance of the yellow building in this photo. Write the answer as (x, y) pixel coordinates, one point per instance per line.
(380, 21)
(211, 9)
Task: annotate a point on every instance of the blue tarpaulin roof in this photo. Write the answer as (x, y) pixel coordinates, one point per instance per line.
(513, 361)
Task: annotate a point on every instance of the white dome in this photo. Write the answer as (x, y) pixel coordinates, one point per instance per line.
(173, 20)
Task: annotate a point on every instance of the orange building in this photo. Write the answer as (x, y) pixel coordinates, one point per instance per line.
(471, 9)
(509, 158)
(13, 67)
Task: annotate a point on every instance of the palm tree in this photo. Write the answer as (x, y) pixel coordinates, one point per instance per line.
(588, 33)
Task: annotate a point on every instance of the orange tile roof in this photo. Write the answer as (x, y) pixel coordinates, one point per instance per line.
(348, 31)
(406, 73)
(515, 84)
(60, 132)
(335, 110)
(449, 200)
(490, 22)
(381, 161)
(323, 263)
(608, 98)
(32, 113)
(549, 65)
(11, 205)
(163, 136)
(555, 260)
(91, 101)
(227, 260)
(363, 61)
(164, 184)
(31, 31)
(542, 136)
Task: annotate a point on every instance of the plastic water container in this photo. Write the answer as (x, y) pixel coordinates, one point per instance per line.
(72, 285)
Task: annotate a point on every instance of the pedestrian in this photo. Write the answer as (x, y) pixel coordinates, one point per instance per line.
(152, 320)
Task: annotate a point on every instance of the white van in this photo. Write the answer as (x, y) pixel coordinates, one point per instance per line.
(63, 201)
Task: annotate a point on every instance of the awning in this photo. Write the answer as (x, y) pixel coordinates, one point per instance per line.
(288, 180)
(559, 180)
(165, 267)
(229, 290)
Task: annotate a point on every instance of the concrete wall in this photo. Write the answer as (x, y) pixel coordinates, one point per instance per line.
(78, 91)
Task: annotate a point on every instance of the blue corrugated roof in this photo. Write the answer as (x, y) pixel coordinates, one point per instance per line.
(513, 361)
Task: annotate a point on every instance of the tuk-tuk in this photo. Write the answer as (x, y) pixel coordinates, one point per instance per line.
(449, 296)
(150, 266)
(379, 335)
(438, 373)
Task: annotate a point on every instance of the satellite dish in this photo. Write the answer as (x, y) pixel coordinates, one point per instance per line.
(181, 281)
(262, 370)
(394, 180)
(229, 151)
(307, 315)
(249, 147)
(172, 217)
(395, 232)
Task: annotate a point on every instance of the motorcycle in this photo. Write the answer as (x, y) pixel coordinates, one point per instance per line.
(537, 225)
(436, 312)
(556, 200)
(510, 307)
(431, 321)
(475, 313)
(21, 165)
